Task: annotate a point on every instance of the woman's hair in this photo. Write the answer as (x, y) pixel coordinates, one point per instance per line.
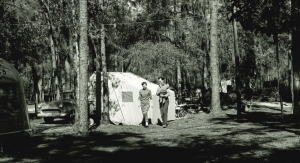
(144, 83)
(162, 78)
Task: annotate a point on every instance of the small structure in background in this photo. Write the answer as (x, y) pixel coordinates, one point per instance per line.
(14, 119)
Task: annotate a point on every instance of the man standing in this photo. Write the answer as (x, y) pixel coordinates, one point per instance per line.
(163, 93)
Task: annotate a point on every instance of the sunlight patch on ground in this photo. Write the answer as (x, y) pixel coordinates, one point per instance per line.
(283, 143)
(43, 146)
(60, 130)
(272, 104)
(55, 151)
(7, 159)
(110, 149)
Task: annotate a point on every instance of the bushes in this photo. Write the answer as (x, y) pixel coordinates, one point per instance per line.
(261, 95)
(272, 94)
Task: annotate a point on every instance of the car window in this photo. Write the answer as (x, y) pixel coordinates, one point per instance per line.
(68, 96)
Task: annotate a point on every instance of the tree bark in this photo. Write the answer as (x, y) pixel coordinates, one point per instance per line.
(237, 68)
(178, 62)
(51, 37)
(276, 41)
(178, 76)
(97, 59)
(71, 61)
(83, 70)
(214, 61)
(184, 79)
(43, 85)
(105, 113)
(35, 86)
(296, 60)
(291, 74)
(76, 80)
(67, 74)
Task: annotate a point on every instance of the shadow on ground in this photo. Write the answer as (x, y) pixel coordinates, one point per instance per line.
(266, 116)
(132, 147)
(221, 140)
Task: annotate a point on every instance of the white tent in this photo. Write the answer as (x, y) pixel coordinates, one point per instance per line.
(123, 99)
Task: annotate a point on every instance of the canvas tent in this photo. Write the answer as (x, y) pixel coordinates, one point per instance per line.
(14, 119)
(123, 99)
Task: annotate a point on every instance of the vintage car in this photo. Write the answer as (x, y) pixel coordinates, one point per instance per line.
(64, 108)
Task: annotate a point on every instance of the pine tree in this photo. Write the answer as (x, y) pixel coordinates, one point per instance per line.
(82, 122)
(214, 61)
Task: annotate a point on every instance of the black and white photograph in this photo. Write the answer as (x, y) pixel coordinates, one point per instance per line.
(158, 81)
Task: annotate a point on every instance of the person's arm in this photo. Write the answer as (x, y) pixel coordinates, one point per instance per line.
(139, 99)
(150, 95)
(150, 98)
(140, 96)
(167, 94)
(158, 91)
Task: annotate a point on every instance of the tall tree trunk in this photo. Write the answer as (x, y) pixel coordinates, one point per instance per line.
(205, 76)
(214, 61)
(71, 60)
(276, 41)
(105, 113)
(261, 78)
(43, 84)
(291, 74)
(184, 79)
(268, 72)
(178, 61)
(296, 60)
(35, 86)
(95, 58)
(57, 90)
(40, 84)
(178, 67)
(237, 68)
(290, 66)
(76, 80)
(67, 74)
(51, 37)
(83, 70)
(188, 79)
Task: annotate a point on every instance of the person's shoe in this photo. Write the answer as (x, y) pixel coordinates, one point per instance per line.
(146, 125)
(164, 126)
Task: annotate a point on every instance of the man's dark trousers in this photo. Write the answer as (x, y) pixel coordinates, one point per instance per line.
(164, 111)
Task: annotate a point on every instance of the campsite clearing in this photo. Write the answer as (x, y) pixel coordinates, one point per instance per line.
(258, 137)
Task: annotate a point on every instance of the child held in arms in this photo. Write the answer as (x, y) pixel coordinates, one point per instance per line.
(163, 91)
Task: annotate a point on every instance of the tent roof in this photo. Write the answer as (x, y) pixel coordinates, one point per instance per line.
(134, 80)
(8, 74)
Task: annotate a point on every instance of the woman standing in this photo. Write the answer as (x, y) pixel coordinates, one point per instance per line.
(145, 98)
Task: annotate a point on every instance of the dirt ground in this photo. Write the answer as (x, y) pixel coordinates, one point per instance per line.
(258, 137)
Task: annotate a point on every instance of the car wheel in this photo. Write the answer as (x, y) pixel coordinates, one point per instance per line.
(48, 120)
